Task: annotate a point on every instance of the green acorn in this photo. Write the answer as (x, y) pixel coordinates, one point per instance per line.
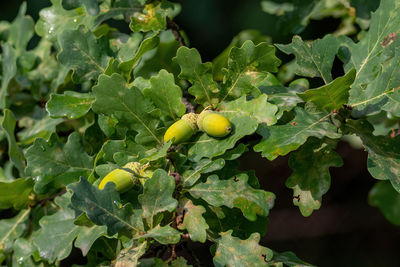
(182, 129)
(214, 124)
(124, 180)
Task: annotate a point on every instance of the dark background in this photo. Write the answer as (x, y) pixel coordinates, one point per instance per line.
(346, 231)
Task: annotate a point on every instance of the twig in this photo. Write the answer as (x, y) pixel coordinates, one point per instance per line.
(42, 202)
(189, 106)
(176, 31)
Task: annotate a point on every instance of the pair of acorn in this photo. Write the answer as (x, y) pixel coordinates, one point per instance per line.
(210, 122)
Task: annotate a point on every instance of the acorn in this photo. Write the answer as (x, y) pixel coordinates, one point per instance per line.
(182, 129)
(124, 180)
(214, 123)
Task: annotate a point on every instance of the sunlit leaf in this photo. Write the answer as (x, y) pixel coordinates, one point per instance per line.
(16, 193)
(199, 74)
(314, 59)
(70, 104)
(233, 251)
(128, 105)
(193, 220)
(278, 140)
(243, 64)
(250, 201)
(166, 95)
(55, 19)
(13, 228)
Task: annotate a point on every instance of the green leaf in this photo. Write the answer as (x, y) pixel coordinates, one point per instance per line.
(382, 93)
(192, 175)
(205, 146)
(22, 251)
(383, 196)
(374, 81)
(14, 151)
(221, 219)
(15, 194)
(55, 20)
(127, 104)
(107, 124)
(118, 9)
(91, 6)
(156, 153)
(293, 16)
(244, 117)
(42, 128)
(199, 75)
(13, 228)
(58, 231)
(166, 95)
(129, 61)
(180, 262)
(70, 104)
(21, 30)
(157, 195)
(258, 109)
(289, 259)
(9, 70)
(221, 60)
(87, 236)
(383, 152)
(193, 220)
(250, 201)
(60, 164)
(159, 58)
(164, 234)
(243, 64)
(235, 252)
(126, 45)
(122, 151)
(278, 140)
(235, 152)
(153, 17)
(310, 178)
(102, 207)
(83, 53)
(315, 59)
(130, 256)
(285, 98)
(333, 95)
(152, 262)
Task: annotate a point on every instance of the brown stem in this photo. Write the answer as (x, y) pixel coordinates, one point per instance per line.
(176, 31)
(42, 202)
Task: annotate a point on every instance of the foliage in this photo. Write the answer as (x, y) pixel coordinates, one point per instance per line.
(89, 98)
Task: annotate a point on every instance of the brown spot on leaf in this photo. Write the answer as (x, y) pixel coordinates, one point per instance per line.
(264, 257)
(293, 123)
(394, 133)
(389, 39)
